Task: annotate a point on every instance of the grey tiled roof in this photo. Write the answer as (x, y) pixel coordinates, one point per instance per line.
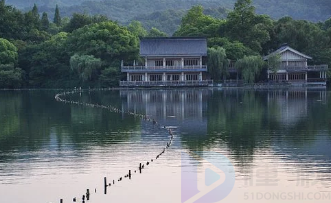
(286, 48)
(173, 46)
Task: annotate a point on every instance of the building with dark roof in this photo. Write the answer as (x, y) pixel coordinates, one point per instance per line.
(169, 61)
(294, 68)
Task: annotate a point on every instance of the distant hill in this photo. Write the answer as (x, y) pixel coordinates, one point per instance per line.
(124, 11)
(312, 10)
(21, 4)
(168, 21)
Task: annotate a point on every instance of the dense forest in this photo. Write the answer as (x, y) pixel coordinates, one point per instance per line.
(317, 10)
(169, 21)
(166, 15)
(37, 50)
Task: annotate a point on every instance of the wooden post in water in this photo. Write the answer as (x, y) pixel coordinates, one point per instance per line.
(105, 183)
(129, 174)
(87, 194)
(61, 200)
(140, 167)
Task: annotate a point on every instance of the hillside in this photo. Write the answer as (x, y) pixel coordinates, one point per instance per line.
(168, 21)
(21, 4)
(125, 10)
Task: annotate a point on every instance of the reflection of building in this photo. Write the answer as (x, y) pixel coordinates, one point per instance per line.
(292, 105)
(169, 62)
(294, 68)
(179, 107)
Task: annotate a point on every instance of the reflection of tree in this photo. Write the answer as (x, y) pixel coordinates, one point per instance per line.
(247, 121)
(104, 125)
(300, 116)
(9, 115)
(236, 118)
(31, 120)
(244, 121)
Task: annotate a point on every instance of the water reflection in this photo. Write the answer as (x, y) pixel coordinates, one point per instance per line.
(291, 122)
(287, 130)
(36, 130)
(182, 104)
(185, 108)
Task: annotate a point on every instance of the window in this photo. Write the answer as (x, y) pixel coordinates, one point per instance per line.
(158, 62)
(136, 78)
(191, 77)
(172, 77)
(155, 77)
(175, 77)
(169, 63)
(191, 62)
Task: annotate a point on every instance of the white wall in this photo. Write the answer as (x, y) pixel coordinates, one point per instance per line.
(290, 56)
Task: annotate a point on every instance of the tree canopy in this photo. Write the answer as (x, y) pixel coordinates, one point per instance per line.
(244, 25)
(8, 52)
(10, 76)
(196, 23)
(38, 52)
(57, 17)
(250, 67)
(217, 63)
(106, 40)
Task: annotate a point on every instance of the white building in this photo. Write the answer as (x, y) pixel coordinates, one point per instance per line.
(172, 61)
(295, 69)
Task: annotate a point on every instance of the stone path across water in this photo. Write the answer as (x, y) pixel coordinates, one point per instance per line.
(60, 98)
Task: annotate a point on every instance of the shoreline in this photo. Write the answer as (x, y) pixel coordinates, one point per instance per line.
(255, 86)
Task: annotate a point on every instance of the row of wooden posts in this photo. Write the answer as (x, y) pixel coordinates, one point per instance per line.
(60, 97)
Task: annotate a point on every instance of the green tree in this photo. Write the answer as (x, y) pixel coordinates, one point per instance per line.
(80, 20)
(10, 77)
(77, 21)
(11, 22)
(85, 66)
(247, 27)
(36, 36)
(47, 64)
(8, 52)
(106, 40)
(327, 24)
(44, 22)
(32, 19)
(110, 77)
(234, 50)
(153, 32)
(217, 63)
(250, 67)
(57, 17)
(274, 62)
(196, 23)
(35, 11)
(136, 28)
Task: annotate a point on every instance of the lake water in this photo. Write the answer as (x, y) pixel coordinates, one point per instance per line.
(276, 145)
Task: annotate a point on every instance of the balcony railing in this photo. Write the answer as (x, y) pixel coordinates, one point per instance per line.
(161, 68)
(294, 68)
(307, 68)
(165, 83)
(324, 67)
(316, 80)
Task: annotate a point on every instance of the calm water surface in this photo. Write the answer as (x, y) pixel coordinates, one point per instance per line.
(278, 141)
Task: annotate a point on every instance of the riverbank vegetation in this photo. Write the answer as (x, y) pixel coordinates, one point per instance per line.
(84, 50)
